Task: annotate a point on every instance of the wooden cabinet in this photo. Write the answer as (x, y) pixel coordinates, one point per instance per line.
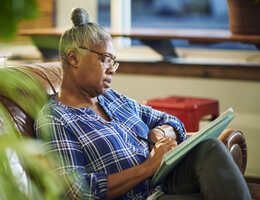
(46, 18)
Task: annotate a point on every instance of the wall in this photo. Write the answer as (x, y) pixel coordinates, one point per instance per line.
(63, 10)
(243, 96)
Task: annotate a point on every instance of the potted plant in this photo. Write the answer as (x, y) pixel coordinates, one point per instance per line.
(12, 13)
(26, 172)
(244, 16)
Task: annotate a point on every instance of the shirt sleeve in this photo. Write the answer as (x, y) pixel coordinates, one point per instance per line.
(71, 158)
(154, 118)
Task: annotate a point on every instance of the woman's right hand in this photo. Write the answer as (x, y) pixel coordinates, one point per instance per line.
(156, 155)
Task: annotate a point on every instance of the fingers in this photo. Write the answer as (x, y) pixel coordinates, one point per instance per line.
(165, 145)
(166, 141)
(161, 147)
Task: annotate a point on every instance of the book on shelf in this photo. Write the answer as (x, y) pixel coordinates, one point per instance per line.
(212, 130)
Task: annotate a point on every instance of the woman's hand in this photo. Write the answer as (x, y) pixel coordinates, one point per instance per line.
(121, 182)
(162, 131)
(156, 155)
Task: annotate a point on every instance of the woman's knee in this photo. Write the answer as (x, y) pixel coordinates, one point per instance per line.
(212, 147)
(212, 143)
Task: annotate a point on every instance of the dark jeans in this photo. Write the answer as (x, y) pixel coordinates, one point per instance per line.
(207, 172)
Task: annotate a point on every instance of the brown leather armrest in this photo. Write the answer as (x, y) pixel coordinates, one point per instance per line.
(236, 144)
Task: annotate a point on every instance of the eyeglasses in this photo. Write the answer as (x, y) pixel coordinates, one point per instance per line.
(107, 59)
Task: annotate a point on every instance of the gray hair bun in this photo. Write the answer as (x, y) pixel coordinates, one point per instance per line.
(79, 17)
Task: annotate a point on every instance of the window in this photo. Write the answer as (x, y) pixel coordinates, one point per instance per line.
(167, 14)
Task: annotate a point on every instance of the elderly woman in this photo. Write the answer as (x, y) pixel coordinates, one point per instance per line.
(101, 135)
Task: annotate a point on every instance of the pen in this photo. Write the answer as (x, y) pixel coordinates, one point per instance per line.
(148, 140)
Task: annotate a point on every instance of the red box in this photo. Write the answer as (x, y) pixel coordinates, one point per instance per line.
(190, 110)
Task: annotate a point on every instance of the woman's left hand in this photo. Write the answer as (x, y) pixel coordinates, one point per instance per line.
(157, 134)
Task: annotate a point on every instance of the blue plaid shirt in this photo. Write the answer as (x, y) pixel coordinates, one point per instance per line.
(92, 148)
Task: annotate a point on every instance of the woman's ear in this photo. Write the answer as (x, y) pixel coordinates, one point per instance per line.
(72, 58)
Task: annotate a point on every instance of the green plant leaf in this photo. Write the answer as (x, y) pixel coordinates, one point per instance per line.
(14, 11)
(32, 154)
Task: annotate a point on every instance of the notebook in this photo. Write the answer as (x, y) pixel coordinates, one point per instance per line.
(211, 130)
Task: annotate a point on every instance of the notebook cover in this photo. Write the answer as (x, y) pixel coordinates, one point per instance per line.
(211, 130)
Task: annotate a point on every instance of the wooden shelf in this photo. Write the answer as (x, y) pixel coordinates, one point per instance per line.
(171, 66)
(193, 35)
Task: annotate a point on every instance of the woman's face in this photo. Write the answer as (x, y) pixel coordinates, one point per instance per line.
(95, 71)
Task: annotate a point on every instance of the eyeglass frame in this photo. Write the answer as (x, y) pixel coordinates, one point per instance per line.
(114, 64)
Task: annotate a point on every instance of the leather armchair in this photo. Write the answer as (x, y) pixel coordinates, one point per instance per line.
(50, 77)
